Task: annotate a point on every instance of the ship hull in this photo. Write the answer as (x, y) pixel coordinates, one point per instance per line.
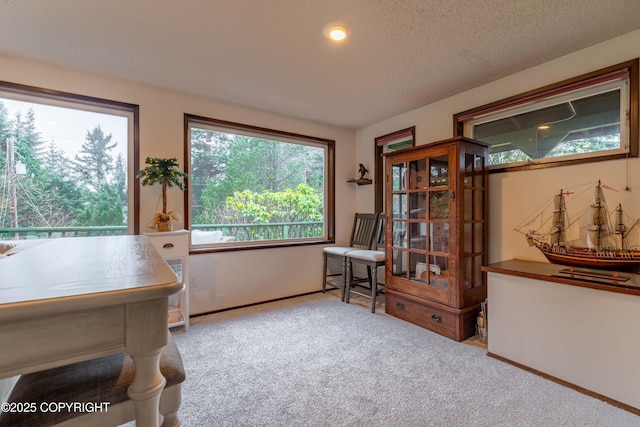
(628, 261)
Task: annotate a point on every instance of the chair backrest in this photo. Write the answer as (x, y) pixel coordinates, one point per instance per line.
(364, 232)
(379, 241)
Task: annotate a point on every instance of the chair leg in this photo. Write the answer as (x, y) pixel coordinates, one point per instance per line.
(346, 278)
(374, 288)
(324, 273)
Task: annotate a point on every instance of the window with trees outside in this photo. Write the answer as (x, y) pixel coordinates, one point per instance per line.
(65, 164)
(588, 118)
(255, 187)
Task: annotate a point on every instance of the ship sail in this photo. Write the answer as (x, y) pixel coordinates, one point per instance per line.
(632, 236)
(559, 220)
(573, 231)
(599, 229)
(621, 228)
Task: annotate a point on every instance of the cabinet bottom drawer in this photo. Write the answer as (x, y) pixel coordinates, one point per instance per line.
(457, 324)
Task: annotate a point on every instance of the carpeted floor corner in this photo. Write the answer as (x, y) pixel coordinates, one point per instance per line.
(315, 361)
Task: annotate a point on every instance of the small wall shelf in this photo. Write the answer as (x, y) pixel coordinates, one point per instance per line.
(362, 181)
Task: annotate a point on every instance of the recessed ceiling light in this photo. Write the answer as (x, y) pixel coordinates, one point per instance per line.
(335, 32)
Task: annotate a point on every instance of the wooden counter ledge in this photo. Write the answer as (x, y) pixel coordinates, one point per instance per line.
(551, 273)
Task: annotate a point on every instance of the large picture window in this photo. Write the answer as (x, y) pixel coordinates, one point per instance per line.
(66, 164)
(589, 118)
(256, 187)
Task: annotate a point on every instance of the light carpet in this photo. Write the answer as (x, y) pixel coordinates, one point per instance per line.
(315, 361)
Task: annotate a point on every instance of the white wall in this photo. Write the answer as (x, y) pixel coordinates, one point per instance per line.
(226, 279)
(514, 196)
(579, 335)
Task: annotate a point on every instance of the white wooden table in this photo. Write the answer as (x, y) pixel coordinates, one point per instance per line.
(73, 299)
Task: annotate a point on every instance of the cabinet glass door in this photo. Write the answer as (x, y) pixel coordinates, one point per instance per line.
(474, 221)
(399, 216)
(418, 212)
(438, 222)
(420, 204)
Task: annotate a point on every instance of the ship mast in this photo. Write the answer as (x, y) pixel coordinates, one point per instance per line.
(621, 228)
(559, 220)
(599, 228)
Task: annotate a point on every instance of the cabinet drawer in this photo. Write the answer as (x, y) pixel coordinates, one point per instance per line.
(424, 314)
(171, 246)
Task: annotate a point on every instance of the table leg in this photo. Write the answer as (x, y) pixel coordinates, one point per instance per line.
(146, 388)
(147, 331)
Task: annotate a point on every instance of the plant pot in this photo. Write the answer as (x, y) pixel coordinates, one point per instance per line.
(165, 226)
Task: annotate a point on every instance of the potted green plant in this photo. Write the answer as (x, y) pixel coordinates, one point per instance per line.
(167, 173)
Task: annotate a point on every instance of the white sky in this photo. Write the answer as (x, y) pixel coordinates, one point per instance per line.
(67, 128)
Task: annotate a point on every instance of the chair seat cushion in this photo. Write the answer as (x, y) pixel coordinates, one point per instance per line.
(338, 250)
(371, 256)
(105, 379)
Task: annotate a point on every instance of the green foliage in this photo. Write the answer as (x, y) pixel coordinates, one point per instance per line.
(103, 207)
(586, 145)
(209, 157)
(247, 207)
(27, 143)
(162, 171)
(243, 165)
(94, 163)
(5, 127)
(564, 148)
(510, 156)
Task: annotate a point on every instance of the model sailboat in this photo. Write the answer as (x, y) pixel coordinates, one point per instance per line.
(609, 244)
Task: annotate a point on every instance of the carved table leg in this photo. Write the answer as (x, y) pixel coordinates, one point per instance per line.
(146, 388)
(147, 331)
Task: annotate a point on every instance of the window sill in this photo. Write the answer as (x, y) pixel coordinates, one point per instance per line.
(248, 247)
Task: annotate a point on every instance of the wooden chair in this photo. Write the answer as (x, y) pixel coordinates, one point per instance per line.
(372, 259)
(363, 235)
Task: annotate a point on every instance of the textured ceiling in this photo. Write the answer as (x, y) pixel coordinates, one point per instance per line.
(271, 54)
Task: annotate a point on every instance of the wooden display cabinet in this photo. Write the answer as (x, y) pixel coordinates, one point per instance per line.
(436, 202)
